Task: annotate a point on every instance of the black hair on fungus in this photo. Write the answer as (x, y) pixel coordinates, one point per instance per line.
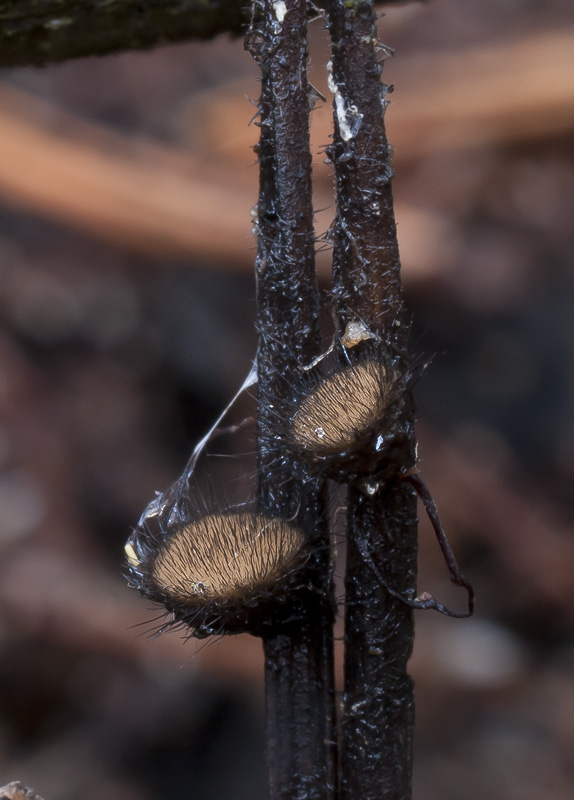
(349, 420)
(333, 416)
(224, 572)
(219, 567)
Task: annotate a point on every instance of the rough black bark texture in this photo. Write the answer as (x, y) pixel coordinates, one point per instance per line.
(33, 32)
(378, 718)
(301, 748)
(37, 31)
(299, 660)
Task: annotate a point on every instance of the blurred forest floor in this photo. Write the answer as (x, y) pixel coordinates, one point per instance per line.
(126, 294)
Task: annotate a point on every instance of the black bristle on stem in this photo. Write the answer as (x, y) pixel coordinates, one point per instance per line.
(301, 747)
(378, 716)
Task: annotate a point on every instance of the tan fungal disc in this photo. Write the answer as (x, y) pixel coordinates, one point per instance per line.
(222, 555)
(332, 416)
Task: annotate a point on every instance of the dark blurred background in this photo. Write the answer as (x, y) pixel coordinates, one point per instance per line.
(126, 294)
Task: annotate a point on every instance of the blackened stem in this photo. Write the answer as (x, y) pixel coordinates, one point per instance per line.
(378, 717)
(299, 650)
(301, 748)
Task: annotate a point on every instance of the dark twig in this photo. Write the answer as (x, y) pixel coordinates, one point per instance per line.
(56, 30)
(456, 575)
(33, 32)
(299, 659)
(425, 601)
(378, 718)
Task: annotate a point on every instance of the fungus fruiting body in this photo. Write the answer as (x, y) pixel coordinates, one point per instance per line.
(218, 567)
(349, 421)
(222, 572)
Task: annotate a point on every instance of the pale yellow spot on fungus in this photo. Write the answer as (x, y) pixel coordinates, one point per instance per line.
(131, 555)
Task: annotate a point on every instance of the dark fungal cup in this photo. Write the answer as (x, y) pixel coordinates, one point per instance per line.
(353, 423)
(221, 573)
(207, 555)
(348, 421)
(333, 415)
